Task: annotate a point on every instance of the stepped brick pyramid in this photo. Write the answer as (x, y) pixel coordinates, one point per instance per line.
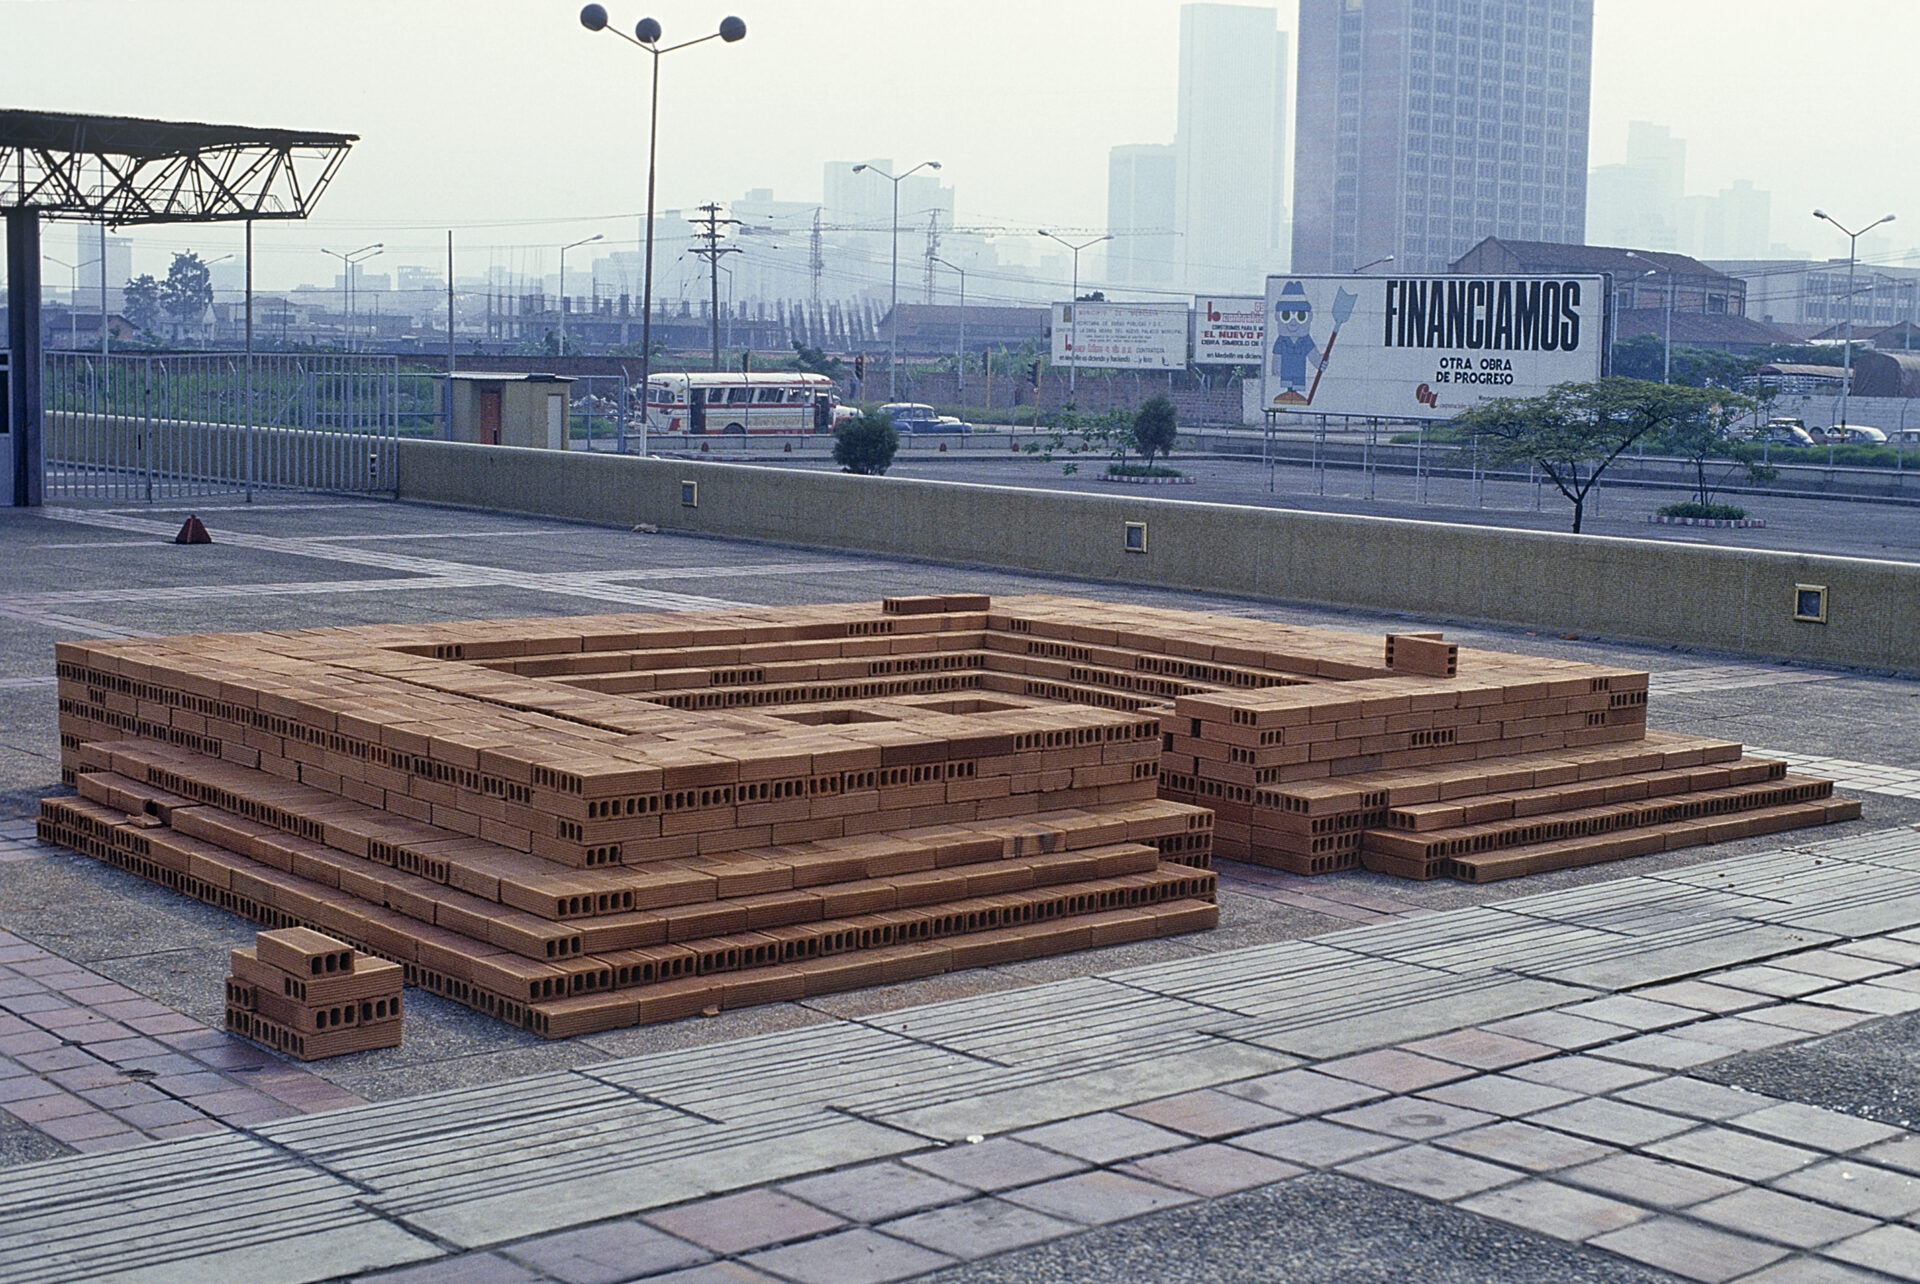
(583, 823)
(311, 996)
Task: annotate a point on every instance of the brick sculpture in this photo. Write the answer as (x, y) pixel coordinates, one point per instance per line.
(582, 823)
(310, 996)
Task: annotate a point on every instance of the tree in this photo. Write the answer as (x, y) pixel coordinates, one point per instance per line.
(1574, 431)
(816, 361)
(1644, 356)
(187, 292)
(866, 444)
(1155, 426)
(1702, 439)
(143, 301)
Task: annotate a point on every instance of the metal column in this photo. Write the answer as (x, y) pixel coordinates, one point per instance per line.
(25, 418)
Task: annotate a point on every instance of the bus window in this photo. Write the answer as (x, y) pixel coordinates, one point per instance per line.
(738, 396)
(769, 396)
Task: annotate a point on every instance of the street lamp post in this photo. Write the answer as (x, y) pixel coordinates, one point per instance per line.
(1853, 241)
(960, 353)
(563, 286)
(646, 36)
(348, 260)
(893, 294)
(1073, 348)
(1666, 360)
(1385, 258)
(73, 297)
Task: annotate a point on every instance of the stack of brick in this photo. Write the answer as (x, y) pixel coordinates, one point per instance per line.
(310, 996)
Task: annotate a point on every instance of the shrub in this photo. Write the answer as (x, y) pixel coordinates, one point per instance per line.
(866, 443)
(1708, 512)
(1154, 427)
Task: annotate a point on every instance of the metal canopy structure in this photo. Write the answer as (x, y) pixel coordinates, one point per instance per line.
(125, 171)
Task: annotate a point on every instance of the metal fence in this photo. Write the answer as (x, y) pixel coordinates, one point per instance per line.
(148, 428)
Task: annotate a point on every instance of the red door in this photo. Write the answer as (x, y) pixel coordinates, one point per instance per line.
(490, 417)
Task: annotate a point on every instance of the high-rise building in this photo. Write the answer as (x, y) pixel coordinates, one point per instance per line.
(86, 248)
(1144, 250)
(1425, 125)
(1638, 201)
(1230, 141)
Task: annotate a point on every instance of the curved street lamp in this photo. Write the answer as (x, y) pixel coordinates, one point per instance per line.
(589, 240)
(1853, 240)
(1666, 361)
(646, 37)
(1073, 348)
(893, 296)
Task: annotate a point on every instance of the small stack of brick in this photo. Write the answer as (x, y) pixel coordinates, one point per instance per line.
(310, 996)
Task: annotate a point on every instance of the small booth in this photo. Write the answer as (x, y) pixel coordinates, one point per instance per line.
(495, 409)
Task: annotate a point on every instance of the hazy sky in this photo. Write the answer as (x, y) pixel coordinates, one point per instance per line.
(509, 122)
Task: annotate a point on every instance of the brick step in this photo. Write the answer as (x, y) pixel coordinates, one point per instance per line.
(1422, 855)
(1479, 809)
(1569, 853)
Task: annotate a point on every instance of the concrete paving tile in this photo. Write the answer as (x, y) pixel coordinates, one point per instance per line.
(1427, 1170)
(1885, 949)
(978, 1228)
(26, 1088)
(1693, 1252)
(1211, 1170)
(1411, 1118)
(1811, 1126)
(74, 1128)
(736, 1223)
(1102, 1138)
(1583, 1073)
(1617, 1123)
(22, 1042)
(1808, 1017)
(1834, 965)
(121, 1051)
(1776, 981)
(876, 1192)
(1877, 999)
(55, 1061)
(1894, 1250)
(1303, 1092)
(1313, 1143)
(1811, 1270)
(1498, 1094)
(1521, 1145)
(1903, 1154)
(1096, 1198)
(1392, 1070)
(119, 1096)
(994, 1164)
(1665, 1052)
(1737, 1154)
(606, 1253)
(850, 1257)
(1634, 1013)
(1549, 1208)
(1857, 1187)
(467, 1268)
(1651, 1181)
(1741, 1035)
(1695, 1098)
(194, 1128)
(1908, 980)
(55, 1104)
(722, 1272)
(1704, 995)
(1480, 1048)
(1785, 1219)
(1208, 1113)
(159, 1114)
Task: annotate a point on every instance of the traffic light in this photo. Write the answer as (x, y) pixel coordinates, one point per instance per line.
(860, 366)
(1033, 373)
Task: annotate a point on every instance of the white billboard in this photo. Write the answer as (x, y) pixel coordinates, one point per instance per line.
(1133, 336)
(1426, 347)
(1229, 331)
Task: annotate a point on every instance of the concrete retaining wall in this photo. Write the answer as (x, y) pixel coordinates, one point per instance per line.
(1728, 599)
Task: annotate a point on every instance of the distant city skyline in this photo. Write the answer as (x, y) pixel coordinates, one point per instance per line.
(521, 131)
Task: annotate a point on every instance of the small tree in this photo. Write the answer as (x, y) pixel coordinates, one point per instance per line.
(143, 301)
(1155, 426)
(816, 361)
(866, 444)
(1713, 436)
(187, 292)
(1574, 431)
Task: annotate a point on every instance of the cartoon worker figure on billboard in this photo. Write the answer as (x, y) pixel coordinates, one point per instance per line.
(1293, 347)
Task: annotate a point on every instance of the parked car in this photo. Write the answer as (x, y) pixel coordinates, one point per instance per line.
(1788, 431)
(1858, 435)
(913, 416)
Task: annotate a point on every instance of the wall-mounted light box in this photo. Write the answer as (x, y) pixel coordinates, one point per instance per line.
(1136, 537)
(689, 494)
(1810, 603)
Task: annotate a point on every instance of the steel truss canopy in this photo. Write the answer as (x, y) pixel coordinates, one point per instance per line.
(124, 171)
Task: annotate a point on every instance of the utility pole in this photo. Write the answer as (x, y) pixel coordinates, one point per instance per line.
(816, 261)
(710, 226)
(933, 249)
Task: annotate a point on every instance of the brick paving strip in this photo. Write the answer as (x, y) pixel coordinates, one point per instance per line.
(1526, 1061)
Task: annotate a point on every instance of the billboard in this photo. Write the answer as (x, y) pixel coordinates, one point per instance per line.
(1229, 331)
(1426, 347)
(1132, 336)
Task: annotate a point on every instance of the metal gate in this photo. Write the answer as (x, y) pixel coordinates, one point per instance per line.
(146, 428)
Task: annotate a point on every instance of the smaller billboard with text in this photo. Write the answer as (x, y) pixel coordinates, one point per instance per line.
(1426, 347)
(1228, 331)
(1126, 336)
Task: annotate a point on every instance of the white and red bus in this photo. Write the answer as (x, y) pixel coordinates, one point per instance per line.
(742, 403)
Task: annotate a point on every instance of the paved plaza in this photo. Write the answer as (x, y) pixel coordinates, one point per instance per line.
(1696, 1066)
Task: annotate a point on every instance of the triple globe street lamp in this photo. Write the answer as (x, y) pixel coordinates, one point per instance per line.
(893, 297)
(646, 37)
